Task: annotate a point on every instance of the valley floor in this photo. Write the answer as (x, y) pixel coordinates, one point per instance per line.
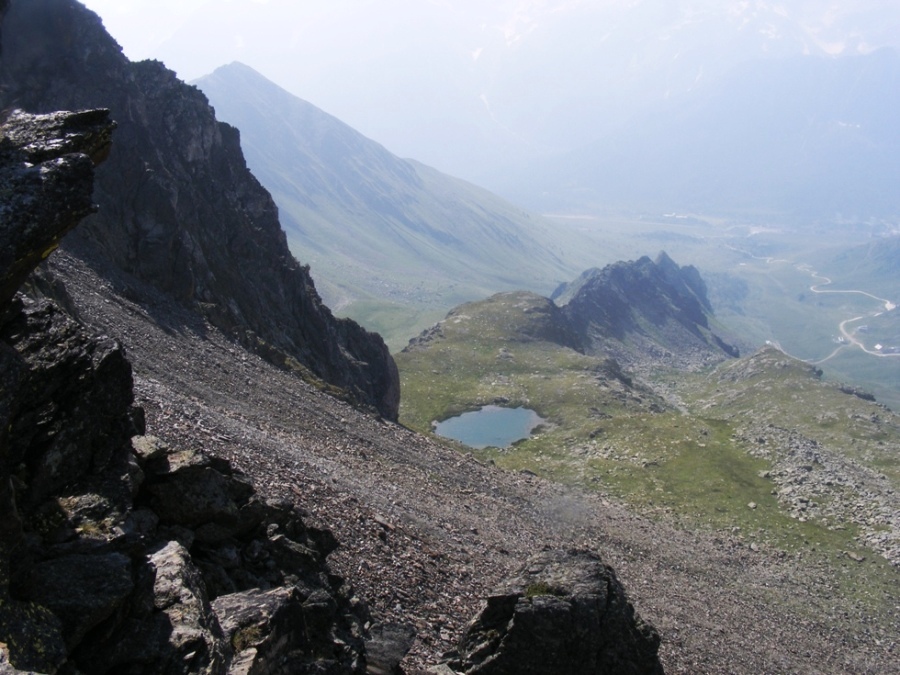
(426, 532)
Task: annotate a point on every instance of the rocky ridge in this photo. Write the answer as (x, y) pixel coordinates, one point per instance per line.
(645, 314)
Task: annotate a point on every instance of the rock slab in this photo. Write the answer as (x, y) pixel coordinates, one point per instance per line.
(564, 613)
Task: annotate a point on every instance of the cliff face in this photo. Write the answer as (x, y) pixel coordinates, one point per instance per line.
(178, 207)
(119, 553)
(644, 311)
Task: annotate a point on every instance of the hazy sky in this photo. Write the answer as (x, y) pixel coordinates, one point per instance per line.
(456, 82)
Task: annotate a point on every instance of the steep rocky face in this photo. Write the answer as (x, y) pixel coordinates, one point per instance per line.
(119, 553)
(659, 308)
(61, 177)
(564, 612)
(178, 207)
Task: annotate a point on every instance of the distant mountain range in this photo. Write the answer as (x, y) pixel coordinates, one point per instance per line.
(805, 136)
(389, 240)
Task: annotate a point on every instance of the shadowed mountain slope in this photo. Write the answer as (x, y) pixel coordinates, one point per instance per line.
(178, 206)
(644, 312)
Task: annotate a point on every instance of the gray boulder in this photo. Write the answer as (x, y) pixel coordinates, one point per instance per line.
(564, 613)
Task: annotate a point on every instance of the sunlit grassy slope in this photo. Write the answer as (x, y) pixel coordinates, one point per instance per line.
(712, 451)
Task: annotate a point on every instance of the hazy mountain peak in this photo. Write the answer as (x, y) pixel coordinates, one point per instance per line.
(379, 231)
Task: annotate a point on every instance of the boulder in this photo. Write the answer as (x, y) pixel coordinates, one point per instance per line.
(565, 612)
(265, 628)
(387, 645)
(169, 626)
(46, 177)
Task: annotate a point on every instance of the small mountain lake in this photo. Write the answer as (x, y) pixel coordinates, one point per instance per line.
(490, 426)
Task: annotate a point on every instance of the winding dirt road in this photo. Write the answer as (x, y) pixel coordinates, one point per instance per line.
(846, 334)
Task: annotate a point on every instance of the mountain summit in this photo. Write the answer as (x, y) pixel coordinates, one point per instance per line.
(644, 311)
(388, 239)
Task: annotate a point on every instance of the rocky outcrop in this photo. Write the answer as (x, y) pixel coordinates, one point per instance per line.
(48, 437)
(643, 316)
(179, 209)
(46, 179)
(659, 309)
(119, 553)
(564, 612)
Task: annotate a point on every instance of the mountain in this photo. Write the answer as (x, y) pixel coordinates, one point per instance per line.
(798, 136)
(567, 357)
(202, 548)
(762, 445)
(90, 580)
(385, 236)
(642, 312)
(477, 89)
(179, 209)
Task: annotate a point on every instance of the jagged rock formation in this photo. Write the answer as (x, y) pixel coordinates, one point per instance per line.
(63, 186)
(564, 612)
(660, 309)
(122, 554)
(639, 315)
(178, 207)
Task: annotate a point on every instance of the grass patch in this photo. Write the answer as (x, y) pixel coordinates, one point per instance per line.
(543, 588)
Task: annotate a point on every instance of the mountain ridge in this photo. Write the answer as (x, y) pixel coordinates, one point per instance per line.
(385, 236)
(660, 310)
(178, 206)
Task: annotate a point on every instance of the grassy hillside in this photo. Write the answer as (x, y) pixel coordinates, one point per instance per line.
(760, 446)
(391, 243)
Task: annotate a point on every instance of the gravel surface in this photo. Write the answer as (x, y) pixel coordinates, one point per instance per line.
(426, 531)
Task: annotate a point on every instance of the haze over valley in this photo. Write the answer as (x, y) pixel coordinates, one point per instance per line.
(723, 133)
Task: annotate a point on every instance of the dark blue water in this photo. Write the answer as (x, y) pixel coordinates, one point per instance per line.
(491, 426)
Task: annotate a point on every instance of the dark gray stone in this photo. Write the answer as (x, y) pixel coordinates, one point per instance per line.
(386, 647)
(565, 613)
(82, 590)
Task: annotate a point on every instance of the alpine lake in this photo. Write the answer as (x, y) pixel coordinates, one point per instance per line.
(490, 426)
